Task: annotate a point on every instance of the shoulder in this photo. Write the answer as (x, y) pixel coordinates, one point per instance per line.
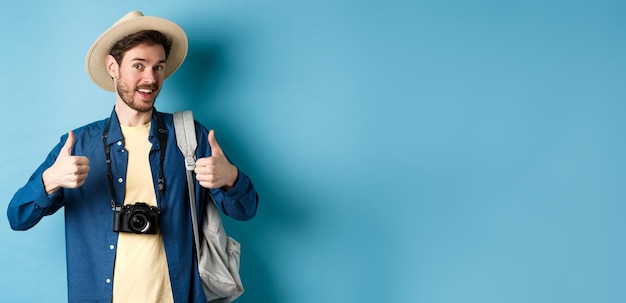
(168, 119)
(92, 130)
(87, 138)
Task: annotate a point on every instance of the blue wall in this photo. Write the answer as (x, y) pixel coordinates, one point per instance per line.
(405, 151)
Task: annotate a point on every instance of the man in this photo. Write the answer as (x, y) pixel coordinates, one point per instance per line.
(132, 159)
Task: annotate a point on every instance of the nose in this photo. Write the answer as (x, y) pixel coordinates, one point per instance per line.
(148, 76)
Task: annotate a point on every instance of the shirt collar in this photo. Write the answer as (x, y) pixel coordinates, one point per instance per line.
(115, 131)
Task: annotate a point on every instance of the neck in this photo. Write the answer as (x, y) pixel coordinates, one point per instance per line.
(130, 117)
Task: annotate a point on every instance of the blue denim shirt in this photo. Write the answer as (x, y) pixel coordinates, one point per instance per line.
(91, 242)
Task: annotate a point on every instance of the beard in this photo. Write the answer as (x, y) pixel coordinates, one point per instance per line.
(127, 95)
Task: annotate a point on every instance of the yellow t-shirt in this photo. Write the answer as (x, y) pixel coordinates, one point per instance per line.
(141, 273)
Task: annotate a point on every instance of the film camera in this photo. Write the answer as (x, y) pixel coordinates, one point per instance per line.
(139, 218)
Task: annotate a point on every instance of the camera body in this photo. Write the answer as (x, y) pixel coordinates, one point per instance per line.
(139, 218)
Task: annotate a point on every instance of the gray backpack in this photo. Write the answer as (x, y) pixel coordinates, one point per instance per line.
(217, 253)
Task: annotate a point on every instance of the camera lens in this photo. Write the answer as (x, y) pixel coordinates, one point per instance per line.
(139, 223)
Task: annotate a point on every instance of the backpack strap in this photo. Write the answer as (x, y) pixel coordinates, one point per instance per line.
(186, 137)
(185, 130)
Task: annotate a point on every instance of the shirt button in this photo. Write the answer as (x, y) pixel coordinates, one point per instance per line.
(108, 281)
(120, 180)
(119, 142)
(111, 247)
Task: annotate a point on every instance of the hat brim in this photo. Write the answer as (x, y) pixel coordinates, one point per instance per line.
(95, 60)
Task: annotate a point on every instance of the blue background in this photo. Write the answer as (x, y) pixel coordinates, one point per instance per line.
(404, 151)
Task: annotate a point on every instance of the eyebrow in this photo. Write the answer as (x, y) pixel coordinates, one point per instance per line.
(144, 60)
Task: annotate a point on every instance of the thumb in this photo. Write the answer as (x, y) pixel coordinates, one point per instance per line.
(66, 150)
(215, 147)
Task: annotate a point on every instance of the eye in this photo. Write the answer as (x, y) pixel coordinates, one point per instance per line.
(138, 66)
(159, 68)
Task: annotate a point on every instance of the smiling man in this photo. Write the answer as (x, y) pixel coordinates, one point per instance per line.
(104, 173)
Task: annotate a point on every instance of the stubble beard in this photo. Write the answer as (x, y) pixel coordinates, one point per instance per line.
(127, 95)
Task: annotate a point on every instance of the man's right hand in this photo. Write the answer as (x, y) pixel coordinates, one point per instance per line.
(67, 171)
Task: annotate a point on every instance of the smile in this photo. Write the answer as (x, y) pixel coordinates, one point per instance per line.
(145, 90)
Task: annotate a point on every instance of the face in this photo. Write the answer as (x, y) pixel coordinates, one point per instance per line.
(139, 77)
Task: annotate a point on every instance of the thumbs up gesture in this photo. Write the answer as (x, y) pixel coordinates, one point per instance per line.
(67, 171)
(215, 171)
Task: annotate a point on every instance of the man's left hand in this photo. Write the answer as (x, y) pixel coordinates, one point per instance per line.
(215, 171)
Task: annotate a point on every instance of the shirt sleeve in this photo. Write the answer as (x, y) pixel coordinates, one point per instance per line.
(241, 201)
(31, 202)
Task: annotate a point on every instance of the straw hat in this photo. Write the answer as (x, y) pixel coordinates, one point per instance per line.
(129, 24)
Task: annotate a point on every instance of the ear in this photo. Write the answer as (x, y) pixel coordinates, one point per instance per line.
(112, 66)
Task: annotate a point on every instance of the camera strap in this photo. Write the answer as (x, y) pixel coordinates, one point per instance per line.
(161, 136)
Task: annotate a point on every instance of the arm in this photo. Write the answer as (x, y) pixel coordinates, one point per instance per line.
(239, 202)
(232, 190)
(43, 195)
(31, 202)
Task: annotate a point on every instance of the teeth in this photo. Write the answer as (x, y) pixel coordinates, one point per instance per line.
(147, 91)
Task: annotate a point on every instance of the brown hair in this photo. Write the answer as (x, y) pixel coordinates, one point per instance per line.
(149, 37)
